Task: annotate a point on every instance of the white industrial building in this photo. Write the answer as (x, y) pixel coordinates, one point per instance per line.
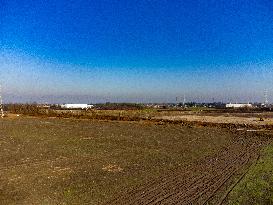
(238, 105)
(76, 106)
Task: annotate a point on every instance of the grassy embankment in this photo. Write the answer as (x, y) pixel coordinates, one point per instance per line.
(257, 186)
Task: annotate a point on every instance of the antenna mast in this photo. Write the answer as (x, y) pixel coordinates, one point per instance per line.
(1, 104)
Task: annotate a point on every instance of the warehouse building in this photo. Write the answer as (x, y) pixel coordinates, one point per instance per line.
(239, 105)
(76, 106)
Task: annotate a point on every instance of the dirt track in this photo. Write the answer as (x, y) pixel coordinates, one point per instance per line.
(200, 182)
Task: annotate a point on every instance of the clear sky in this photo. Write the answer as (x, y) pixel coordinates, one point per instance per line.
(136, 50)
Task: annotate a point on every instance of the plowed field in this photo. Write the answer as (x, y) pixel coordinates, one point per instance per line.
(198, 183)
(67, 161)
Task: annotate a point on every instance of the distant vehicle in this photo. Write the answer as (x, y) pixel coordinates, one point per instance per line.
(76, 106)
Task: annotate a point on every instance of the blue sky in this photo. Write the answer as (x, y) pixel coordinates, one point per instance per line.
(137, 50)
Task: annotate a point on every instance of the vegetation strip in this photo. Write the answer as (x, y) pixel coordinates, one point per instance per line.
(224, 197)
(256, 187)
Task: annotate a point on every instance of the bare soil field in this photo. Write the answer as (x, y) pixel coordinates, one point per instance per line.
(247, 118)
(68, 161)
(206, 116)
(240, 119)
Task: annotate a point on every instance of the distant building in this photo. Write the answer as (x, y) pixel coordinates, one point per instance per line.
(43, 106)
(239, 105)
(76, 106)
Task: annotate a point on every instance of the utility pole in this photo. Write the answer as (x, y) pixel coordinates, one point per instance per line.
(184, 100)
(265, 97)
(1, 104)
